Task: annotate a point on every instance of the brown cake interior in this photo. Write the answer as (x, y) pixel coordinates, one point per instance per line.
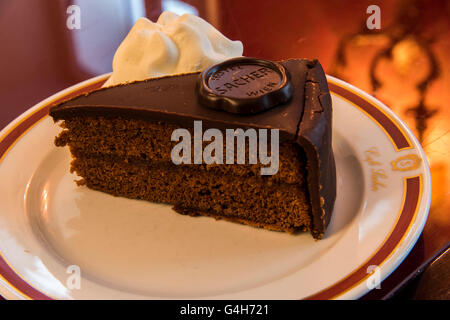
(131, 158)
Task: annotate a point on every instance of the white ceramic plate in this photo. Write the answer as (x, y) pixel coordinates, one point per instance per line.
(61, 241)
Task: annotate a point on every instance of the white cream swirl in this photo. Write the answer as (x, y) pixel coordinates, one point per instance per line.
(173, 45)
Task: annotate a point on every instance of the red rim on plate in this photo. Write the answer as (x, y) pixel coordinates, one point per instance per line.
(413, 188)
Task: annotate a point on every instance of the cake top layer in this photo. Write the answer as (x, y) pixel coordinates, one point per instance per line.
(175, 99)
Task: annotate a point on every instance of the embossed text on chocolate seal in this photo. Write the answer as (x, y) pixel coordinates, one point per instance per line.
(244, 85)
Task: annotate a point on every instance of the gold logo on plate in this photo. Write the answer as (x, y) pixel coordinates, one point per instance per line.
(406, 163)
(377, 174)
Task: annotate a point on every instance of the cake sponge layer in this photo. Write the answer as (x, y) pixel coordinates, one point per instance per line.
(134, 139)
(262, 203)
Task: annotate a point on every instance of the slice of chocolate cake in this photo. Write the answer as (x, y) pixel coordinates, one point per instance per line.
(161, 140)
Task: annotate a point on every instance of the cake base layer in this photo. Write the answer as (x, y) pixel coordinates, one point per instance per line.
(249, 200)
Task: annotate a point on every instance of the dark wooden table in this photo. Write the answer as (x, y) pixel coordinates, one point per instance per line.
(405, 63)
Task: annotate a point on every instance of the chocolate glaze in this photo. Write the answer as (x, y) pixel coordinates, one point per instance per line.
(304, 119)
(244, 85)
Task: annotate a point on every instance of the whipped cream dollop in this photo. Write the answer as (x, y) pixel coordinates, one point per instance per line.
(173, 45)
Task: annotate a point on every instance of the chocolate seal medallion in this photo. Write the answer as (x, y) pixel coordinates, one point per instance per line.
(244, 85)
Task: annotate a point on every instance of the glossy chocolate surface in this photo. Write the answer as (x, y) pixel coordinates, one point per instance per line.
(244, 85)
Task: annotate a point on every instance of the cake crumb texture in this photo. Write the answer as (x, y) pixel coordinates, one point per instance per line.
(131, 158)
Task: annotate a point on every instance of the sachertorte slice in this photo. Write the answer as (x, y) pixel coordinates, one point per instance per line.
(120, 138)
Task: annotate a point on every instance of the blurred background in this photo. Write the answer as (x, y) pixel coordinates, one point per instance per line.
(405, 63)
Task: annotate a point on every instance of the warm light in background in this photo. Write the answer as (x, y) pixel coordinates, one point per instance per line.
(406, 65)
